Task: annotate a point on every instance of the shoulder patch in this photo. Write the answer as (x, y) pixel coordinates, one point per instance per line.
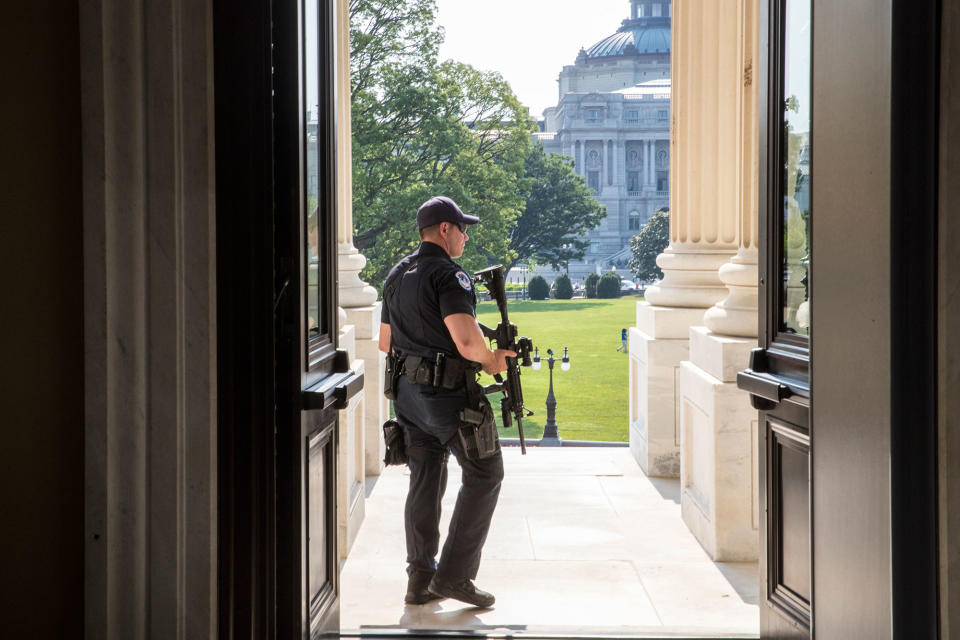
(464, 281)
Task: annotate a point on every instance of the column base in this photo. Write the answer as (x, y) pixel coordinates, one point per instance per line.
(658, 344)
(351, 498)
(367, 322)
(718, 436)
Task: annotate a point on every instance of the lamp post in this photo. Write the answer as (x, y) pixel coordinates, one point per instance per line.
(551, 438)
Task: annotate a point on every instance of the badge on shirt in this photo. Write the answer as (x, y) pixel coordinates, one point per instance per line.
(464, 281)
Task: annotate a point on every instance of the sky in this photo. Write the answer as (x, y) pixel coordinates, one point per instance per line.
(528, 41)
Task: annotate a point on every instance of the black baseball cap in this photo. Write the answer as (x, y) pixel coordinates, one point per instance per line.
(442, 209)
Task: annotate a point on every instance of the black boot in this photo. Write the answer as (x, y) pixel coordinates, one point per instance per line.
(463, 590)
(417, 592)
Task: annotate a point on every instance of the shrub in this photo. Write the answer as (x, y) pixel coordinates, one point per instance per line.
(609, 286)
(648, 244)
(562, 287)
(538, 288)
(590, 285)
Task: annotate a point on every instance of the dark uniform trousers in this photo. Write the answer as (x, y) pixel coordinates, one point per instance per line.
(417, 412)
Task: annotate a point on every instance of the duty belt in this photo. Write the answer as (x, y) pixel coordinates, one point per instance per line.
(442, 372)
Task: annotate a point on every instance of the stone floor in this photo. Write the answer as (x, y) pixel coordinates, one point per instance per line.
(582, 542)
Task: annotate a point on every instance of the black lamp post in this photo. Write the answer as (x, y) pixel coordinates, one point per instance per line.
(551, 438)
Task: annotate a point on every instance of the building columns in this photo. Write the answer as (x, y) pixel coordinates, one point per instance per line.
(703, 236)
(358, 300)
(719, 435)
(150, 320)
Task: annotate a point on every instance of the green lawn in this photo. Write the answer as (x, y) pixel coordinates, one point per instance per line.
(592, 395)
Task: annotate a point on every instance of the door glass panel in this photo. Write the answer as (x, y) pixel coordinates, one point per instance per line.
(313, 234)
(796, 169)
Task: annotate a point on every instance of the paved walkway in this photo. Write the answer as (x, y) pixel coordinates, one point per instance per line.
(582, 542)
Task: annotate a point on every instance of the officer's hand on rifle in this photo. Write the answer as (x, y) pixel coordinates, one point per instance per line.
(498, 361)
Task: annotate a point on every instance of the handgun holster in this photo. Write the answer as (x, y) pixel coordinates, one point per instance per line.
(391, 375)
(478, 432)
(395, 450)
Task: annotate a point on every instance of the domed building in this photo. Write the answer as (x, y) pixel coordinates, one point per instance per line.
(613, 119)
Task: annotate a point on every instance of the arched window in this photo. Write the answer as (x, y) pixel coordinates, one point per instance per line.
(633, 222)
(662, 159)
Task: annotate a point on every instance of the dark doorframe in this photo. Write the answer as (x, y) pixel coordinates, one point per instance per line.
(245, 320)
(914, 223)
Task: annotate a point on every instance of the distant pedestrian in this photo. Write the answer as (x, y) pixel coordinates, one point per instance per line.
(623, 341)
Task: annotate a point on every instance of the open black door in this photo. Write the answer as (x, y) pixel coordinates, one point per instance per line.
(779, 373)
(281, 377)
(846, 376)
(313, 378)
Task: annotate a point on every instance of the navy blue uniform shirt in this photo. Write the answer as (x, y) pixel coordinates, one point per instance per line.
(420, 291)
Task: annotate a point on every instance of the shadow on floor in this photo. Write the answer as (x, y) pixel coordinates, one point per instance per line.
(742, 576)
(668, 488)
(368, 485)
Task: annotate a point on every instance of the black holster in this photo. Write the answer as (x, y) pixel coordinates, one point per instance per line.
(391, 376)
(395, 450)
(478, 432)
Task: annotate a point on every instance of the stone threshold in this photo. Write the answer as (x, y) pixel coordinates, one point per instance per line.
(515, 442)
(547, 634)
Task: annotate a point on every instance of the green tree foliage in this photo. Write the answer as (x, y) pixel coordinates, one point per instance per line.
(537, 288)
(562, 287)
(648, 244)
(560, 209)
(609, 285)
(590, 285)
(423, 128)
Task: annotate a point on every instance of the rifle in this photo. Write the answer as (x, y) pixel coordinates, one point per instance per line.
(505, 337)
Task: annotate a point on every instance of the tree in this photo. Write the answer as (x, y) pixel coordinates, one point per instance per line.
(538, 288)
(609, 285)
(562, 287)
(648, 244)
(590, 285)
(559, 210)
(423, 128)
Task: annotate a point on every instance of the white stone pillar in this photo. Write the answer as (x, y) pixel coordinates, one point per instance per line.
(605, 164)
(719, 438)
(703, 236)
(358, 300)
(646, 162)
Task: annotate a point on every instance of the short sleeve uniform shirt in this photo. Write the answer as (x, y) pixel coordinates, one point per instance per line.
(420, 291)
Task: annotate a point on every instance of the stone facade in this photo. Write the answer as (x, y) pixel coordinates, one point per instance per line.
(613, 119)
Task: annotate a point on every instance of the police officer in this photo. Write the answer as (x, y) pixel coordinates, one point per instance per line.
(429, 323)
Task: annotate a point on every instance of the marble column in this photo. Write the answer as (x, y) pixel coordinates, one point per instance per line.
(703, 235)
(150, 541)
(646, 162)
(358, 300)
(719, 428)
(607, 164)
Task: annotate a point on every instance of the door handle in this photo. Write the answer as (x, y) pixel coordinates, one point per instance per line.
(766, 390)
(348, 388)
(337, 389)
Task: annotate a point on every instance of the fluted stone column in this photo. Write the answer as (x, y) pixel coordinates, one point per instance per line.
(703, 229)
(719, 438)
(360, 430)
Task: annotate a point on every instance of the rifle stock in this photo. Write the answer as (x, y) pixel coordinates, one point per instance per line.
(505, 337)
